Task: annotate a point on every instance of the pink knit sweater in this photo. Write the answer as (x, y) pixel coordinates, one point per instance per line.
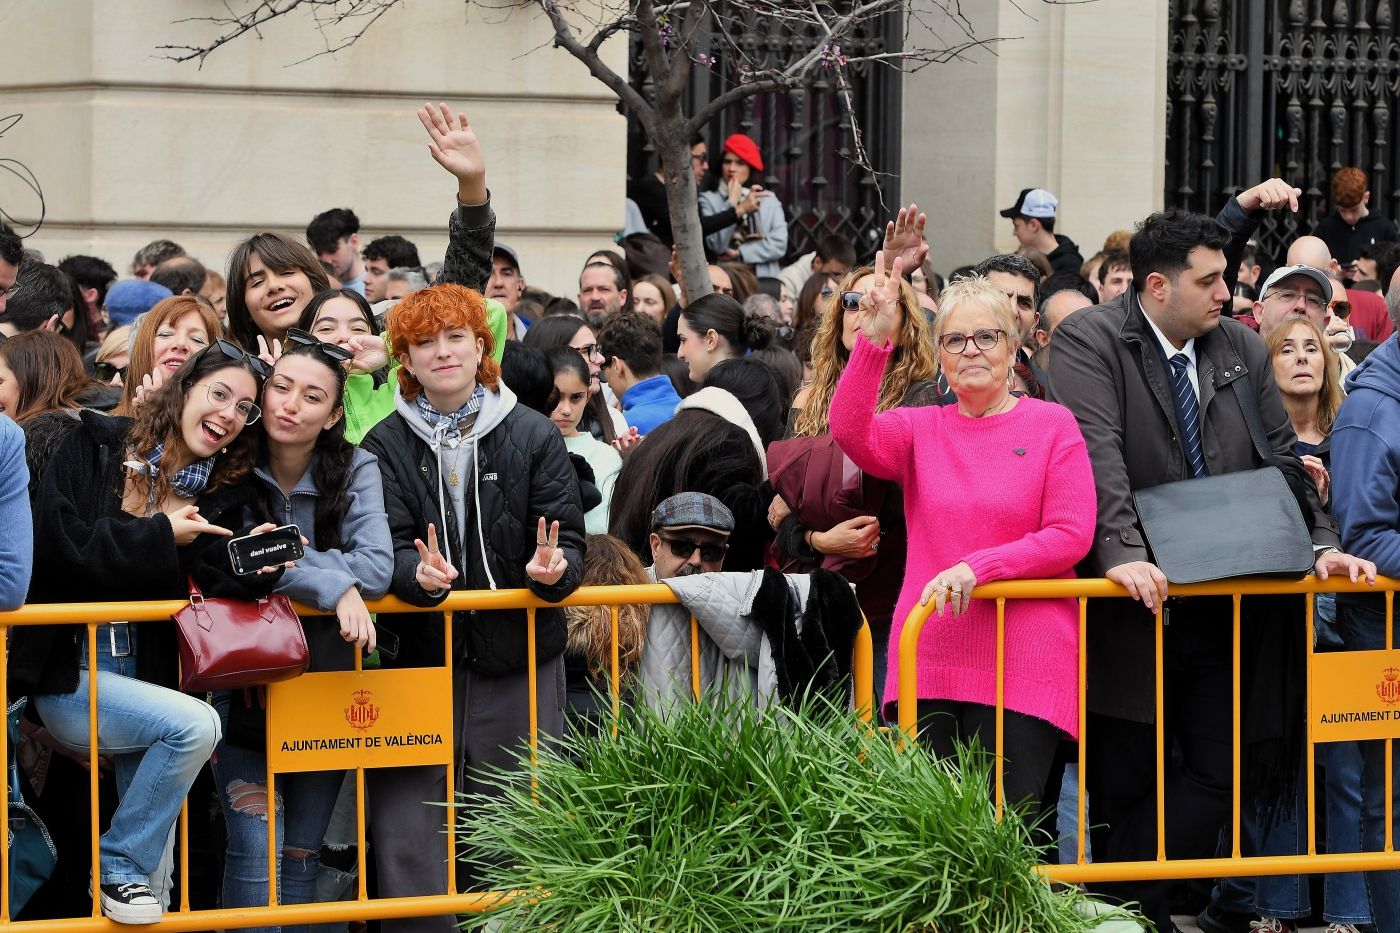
(1013, 496)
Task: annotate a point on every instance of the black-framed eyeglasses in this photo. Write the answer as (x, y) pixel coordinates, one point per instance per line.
(236, 353)
(682, 548)
(984, 340)
(587, 351)
(335, 351)
(103, 371)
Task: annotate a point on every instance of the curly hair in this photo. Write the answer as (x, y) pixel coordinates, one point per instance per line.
(142, 353)
(157, 421)
(607, 561)
(331, 458)
(432, 310)
(914, 358)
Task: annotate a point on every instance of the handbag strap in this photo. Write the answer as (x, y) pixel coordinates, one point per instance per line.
(1249, 407)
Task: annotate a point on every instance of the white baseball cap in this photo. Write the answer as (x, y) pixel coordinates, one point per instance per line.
(1033, 202)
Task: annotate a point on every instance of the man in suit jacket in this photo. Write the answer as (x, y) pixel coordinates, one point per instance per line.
(1113, 367)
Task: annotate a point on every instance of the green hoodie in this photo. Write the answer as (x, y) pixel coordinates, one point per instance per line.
(367, 404)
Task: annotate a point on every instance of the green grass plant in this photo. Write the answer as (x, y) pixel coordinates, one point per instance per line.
(728, 820)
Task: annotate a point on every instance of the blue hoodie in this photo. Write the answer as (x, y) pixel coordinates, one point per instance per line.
(1366, 461)
(649, 403)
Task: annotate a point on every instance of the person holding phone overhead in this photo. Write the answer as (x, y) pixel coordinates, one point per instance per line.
(480, 494)
(132, 509)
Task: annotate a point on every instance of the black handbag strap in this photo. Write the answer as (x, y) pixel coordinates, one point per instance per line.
(1249, 406)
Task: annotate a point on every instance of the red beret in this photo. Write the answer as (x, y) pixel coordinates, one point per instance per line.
(745, 148)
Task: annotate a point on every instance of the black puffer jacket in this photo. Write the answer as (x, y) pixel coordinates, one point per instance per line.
(524, 472)
(87, 549)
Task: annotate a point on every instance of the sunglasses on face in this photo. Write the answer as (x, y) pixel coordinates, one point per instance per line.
(682, 548)
(850, 301)
(106, 372)
(301, 338)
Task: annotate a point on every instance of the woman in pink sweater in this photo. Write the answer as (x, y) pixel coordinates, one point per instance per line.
(1000, 487)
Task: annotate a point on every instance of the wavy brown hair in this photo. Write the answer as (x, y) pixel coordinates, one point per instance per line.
(1329, 396)
(914, 359)
(157, 421)
(48, 372)
(142, 354)
(607, 561)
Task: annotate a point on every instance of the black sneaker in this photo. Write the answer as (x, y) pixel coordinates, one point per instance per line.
(1215, 920)
(128, 902)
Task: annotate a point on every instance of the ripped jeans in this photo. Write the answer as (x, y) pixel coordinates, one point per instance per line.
(304, 805)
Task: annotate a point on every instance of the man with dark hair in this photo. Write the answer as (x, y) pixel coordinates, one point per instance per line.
(153, 254)
(630, 344)
(41, 293)
(1352, 224)
(89, 277)
(334, 236)
(1018, 277)
(11, 258)
(1033, 225)
(1115, 275)
(602, 291)
(834, 256)
(381, 255)
(183, 275)
(1148, 376)
(1251, 273)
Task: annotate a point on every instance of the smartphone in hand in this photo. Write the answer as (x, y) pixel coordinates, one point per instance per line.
(273, 548)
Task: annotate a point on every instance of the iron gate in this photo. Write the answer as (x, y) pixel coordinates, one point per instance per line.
(806, 136)
(1289, 88)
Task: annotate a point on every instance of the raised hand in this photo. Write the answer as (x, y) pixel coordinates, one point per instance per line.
(904, 238)
(370, 353)
(149, 383)
(454, 146)
(879, 309)
(269, 351)
(434, 573)
(624, 443)
(1270, 194)
(547, 565)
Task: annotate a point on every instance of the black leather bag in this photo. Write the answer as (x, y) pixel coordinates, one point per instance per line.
(1242, 524)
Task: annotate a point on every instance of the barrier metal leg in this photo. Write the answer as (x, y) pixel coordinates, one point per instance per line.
(1161, 743)
(93, 769)
(1235, 725)
(1080, 830)
(999, 791)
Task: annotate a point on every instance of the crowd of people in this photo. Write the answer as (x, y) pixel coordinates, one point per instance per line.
(844, 436)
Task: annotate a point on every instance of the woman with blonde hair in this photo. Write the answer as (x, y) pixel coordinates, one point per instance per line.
(174, 330)
(867, 548)
(607, 561)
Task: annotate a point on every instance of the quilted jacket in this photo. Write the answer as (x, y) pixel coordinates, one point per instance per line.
(522, 472)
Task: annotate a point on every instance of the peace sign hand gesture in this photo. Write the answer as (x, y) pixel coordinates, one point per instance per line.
(548, 564)
(434, 573)
(880, 307)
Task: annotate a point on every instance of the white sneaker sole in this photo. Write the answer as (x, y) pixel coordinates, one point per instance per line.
(131, 914)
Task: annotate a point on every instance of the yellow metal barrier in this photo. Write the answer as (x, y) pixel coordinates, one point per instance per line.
(1161, 868)
(182, 917)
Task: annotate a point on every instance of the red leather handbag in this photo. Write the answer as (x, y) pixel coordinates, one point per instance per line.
(230, 643)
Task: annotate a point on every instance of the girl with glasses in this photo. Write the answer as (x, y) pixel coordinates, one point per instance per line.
(132, 509)
(599, 419)
(308, 475)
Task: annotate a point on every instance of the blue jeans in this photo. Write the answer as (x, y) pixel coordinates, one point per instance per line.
(158, 740)
(304, 805)
(1363, 629)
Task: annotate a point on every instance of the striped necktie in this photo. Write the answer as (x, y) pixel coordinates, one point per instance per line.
(1188, 412)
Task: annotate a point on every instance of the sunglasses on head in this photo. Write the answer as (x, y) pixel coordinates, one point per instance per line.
(684, 547)
(233, 351)
(298, 337)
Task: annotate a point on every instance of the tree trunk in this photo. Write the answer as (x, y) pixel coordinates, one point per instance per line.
(673, 146)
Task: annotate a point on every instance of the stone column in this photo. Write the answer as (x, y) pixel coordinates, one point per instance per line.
(1069, 98)
(131, 147)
